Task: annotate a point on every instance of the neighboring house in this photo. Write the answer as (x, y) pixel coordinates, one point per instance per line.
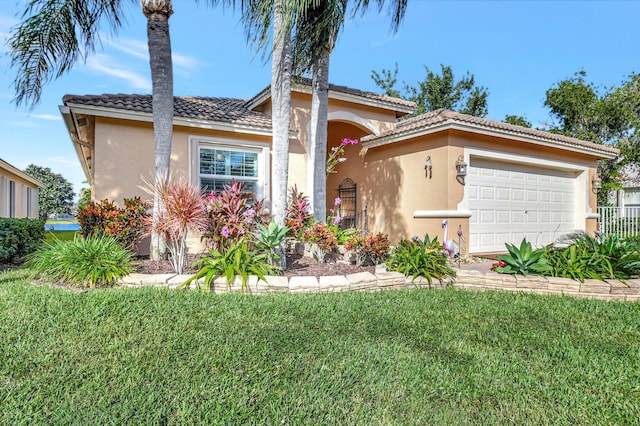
(519, 182)
(18, 193)
(629, 195)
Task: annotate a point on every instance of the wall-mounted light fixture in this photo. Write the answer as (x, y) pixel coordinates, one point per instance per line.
(427, 167)
(596, 182)
(461, 169)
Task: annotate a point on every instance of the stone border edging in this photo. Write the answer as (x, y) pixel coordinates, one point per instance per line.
(383, 280)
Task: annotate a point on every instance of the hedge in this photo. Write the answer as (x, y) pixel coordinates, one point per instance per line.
(19, 237)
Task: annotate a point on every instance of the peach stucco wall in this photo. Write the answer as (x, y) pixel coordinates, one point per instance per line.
(392, 183)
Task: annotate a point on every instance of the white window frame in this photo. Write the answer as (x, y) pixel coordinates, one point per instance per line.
(196, 143)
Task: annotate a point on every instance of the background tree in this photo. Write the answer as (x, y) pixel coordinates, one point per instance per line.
(56, 197)
(517, 120)
(438, 91)
(606, 116)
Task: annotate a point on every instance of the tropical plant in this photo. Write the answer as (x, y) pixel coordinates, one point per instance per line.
(84, 262)
(184, 211)
(420, 258)
(233, 213)
(269, 238)
(127, 225)
(322, 239)
(374, 247)
(524, 260)
(297, 213)
(55, 34)
(229, 262)
(605, 257)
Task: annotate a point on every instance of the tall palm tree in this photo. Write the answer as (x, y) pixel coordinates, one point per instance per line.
(316, 33)
(55, 34)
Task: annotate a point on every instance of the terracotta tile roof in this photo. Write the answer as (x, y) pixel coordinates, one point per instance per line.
(443, 116)
(227, 110)
(344, 89)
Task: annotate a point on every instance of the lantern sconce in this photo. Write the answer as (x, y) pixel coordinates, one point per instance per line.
(428, 165)
(596, 182)
(461, 169)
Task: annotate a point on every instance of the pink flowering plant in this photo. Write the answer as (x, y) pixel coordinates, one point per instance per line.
(337, 154)
(233, 214)
(334, 223)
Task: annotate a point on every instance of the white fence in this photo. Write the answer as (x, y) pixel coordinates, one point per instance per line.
(622, 221)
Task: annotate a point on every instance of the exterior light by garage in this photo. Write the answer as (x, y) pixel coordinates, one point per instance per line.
(461, 169)
(596, 182)
(428, 165)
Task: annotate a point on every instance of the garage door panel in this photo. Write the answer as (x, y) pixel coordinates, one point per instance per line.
(510, 201)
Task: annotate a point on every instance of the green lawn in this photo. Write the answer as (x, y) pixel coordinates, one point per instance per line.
(397, 357)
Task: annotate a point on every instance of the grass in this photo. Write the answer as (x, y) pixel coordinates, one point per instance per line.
(61, 221)
(399, 357)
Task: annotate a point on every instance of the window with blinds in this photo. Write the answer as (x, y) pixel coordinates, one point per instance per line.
(220, 163)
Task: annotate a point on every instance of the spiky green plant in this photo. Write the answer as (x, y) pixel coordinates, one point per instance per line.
(420, 258)
(84, 262)
(229, 262)
(524, 260)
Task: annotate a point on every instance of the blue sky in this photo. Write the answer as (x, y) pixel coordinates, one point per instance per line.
(516, 49)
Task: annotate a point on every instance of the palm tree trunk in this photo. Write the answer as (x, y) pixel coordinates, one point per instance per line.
(280, 117)
(317, 162)
(158, 13)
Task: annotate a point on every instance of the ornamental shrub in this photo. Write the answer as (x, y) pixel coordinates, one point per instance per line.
(84, 262)
(372, 247)
(127, 225)
(19, 238)
(323, 240)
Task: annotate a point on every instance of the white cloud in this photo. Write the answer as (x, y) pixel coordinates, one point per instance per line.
(47, 117)
(107, 65)
(136, 48)
(182, 64)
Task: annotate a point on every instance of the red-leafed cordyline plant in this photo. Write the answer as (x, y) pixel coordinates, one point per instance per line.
(184, 210)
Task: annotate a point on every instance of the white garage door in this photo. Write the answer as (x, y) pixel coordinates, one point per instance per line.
(511, 201)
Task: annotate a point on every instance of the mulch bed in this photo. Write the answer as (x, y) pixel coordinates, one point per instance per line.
(296, 266)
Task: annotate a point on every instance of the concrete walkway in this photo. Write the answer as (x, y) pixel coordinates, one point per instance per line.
(469, 276)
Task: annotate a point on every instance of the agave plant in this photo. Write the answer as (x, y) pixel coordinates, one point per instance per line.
(270, 237)
(524, 260)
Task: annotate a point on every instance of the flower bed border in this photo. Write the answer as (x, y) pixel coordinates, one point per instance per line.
(383, 280)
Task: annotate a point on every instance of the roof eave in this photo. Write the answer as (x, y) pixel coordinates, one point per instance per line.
(177, 121)
(399, 109)
(14, 170)
(454, 125)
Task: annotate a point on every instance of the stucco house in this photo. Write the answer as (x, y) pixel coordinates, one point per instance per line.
(496, 182)
(18, 192)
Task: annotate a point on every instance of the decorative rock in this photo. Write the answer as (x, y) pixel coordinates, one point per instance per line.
(333, 283)
(533, 281)
(595, 286)
(303, 284)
